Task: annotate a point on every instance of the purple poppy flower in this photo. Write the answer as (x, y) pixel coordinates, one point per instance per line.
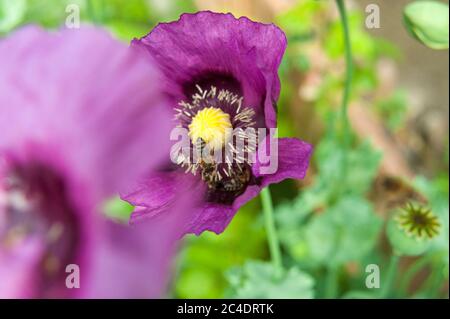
(221, 76)
(80, 116)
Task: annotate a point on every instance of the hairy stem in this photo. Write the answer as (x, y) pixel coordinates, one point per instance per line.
(272, 237)
(347, 85)
(391, 272)
(435, 281)
(408, 276)
(331, 282)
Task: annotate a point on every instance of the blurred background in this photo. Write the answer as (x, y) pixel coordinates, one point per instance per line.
(400, 152)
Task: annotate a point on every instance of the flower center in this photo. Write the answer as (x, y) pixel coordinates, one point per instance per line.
(418, 221)
(217, 120)
(212, 126)
(34, 205)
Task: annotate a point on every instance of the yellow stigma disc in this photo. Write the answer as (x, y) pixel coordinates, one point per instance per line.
(212, 126)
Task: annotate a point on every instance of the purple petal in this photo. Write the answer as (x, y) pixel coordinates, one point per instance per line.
(156, 193)
(293, 161)
(89, 108)
(216, 217)
(61, 90)
(208, 42)
(134, 262)
(17, 270)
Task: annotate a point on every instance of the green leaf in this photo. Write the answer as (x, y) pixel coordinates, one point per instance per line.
(256, 279)
(136, 11)
(348, 231)
(393, 109)
(11, 14)
(427, 21)
(243, 239)
(50, 13)
(127, 31)
(363, 164)
(198, 283)
(300, 19)
(118, 209)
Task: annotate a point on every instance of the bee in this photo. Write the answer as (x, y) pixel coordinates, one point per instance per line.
(209, 173)
(234, 180)
(238, 180)
(199, 147)
(233, 185)
(209, 169)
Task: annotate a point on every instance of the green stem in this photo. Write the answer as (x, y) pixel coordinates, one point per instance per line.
(91, 11)
(95, 10)
(331, 282)
(347, 84)
(388, 283)
(412, 271)
(434, 282)
(272, 237)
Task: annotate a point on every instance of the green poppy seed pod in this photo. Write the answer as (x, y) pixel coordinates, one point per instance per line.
(427, 21)
(411, 229)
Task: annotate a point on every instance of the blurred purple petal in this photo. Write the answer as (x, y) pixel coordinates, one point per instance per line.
(77, 84)
(135, 262)
(81, 117)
